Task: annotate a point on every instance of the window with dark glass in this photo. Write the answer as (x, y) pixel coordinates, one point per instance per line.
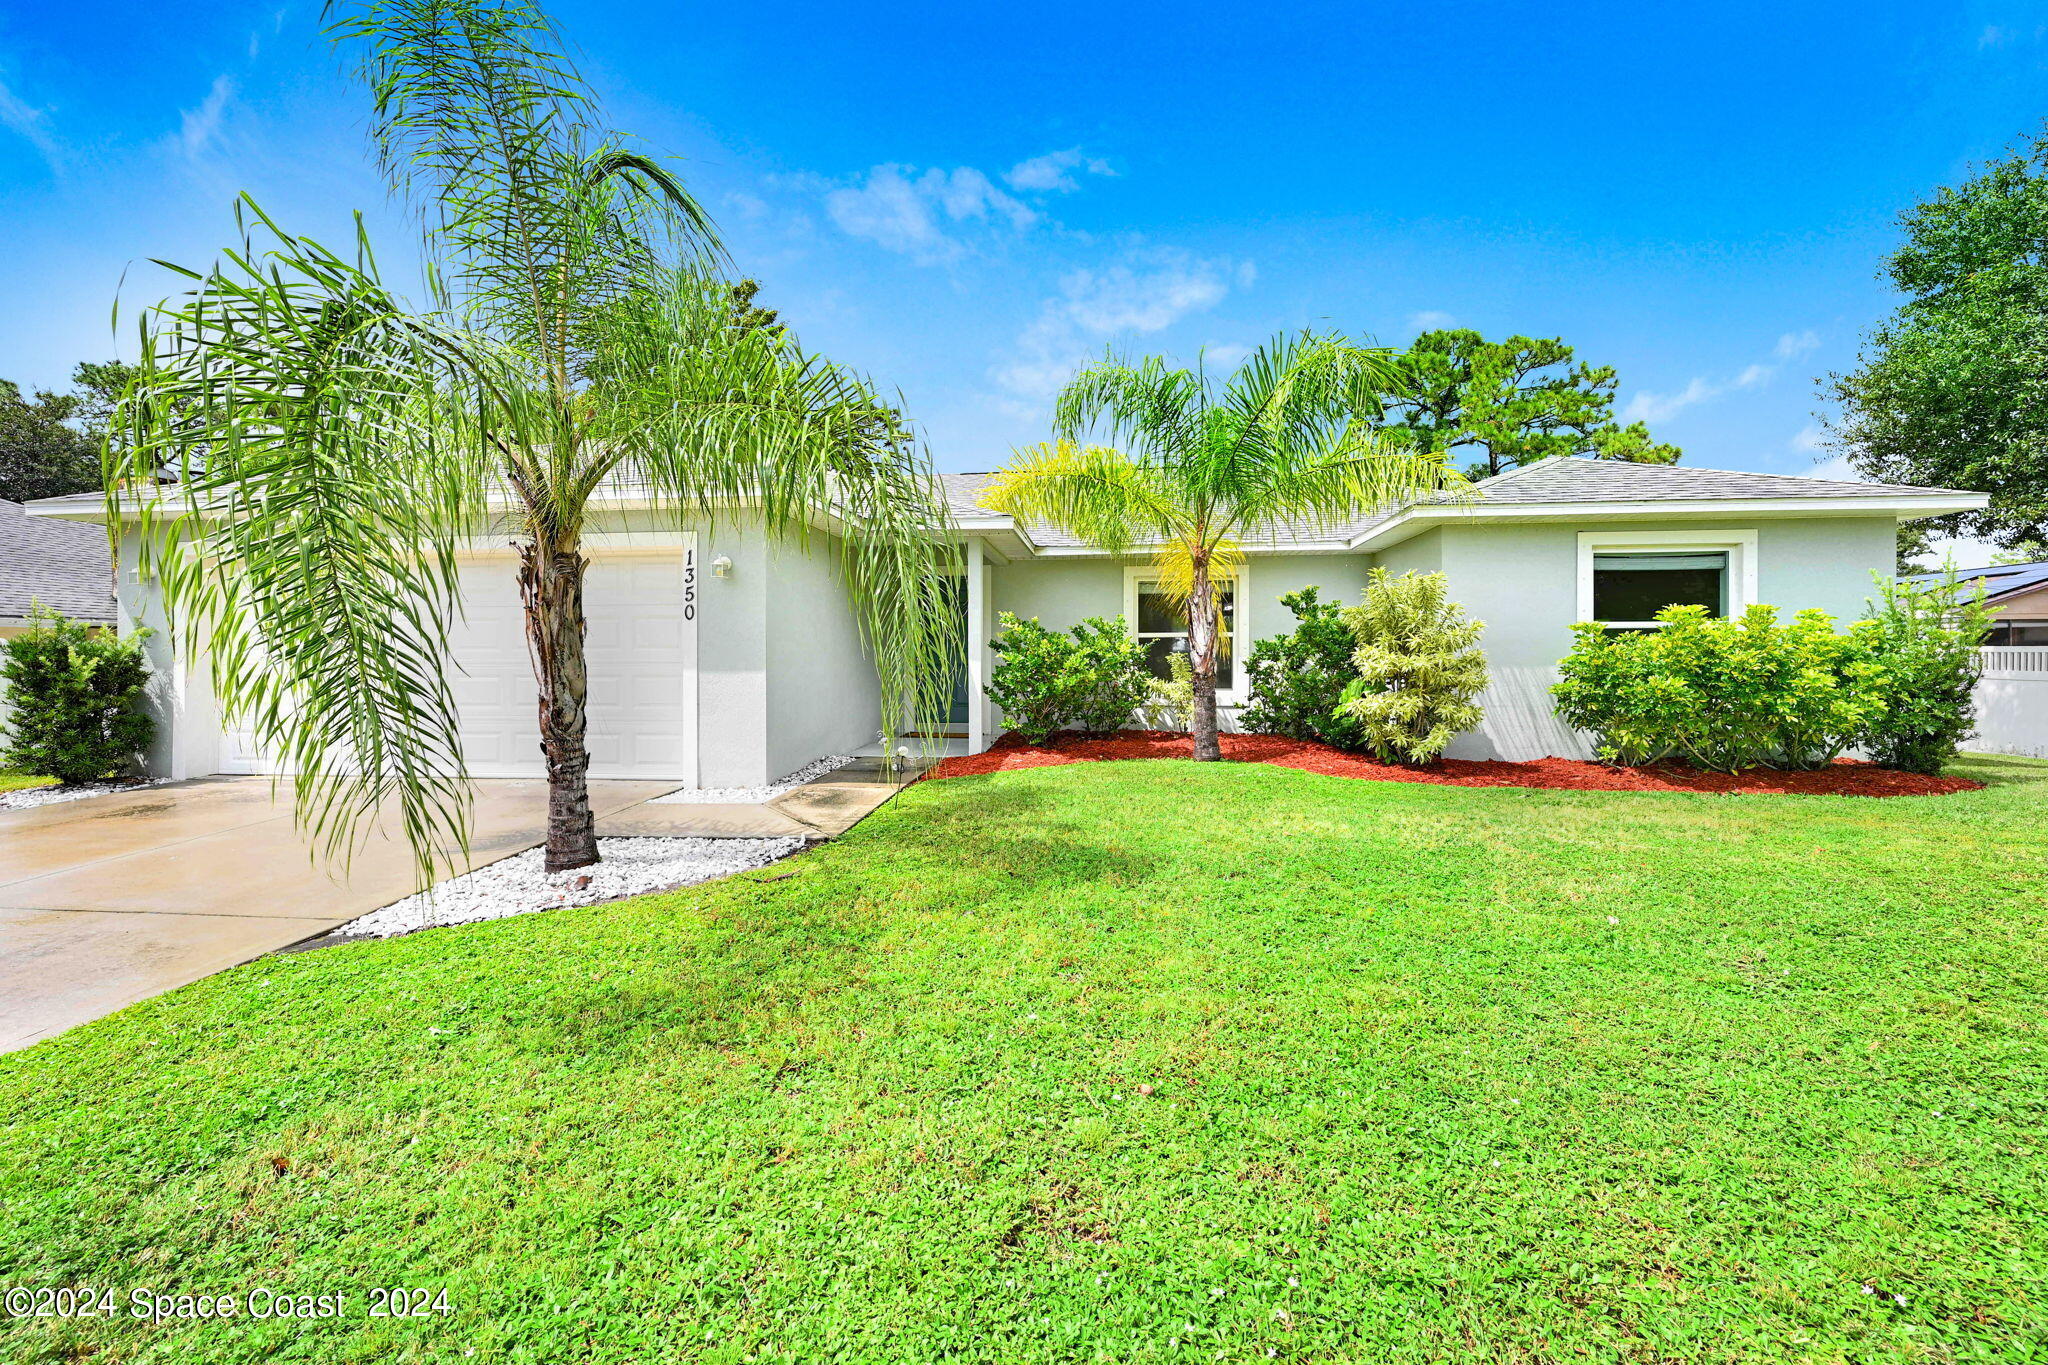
(2018, 633)
(1635, 587)
(1162, 628)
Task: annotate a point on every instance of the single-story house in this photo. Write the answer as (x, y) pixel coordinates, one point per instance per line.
(2017, 595)
(56, 564)
(721, 657)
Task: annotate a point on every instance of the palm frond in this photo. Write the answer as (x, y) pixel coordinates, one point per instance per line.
(1149, 409)
(324, 444)
(722, 421)
(1361, 468)
(1176, 566)
(1095, 492)
(657, 183)
(534, 217)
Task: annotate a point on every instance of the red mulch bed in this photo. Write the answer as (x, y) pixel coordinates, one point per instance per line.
(1845, 777)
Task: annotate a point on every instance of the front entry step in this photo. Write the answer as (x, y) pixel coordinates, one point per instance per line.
(823, 808)
(706, 820)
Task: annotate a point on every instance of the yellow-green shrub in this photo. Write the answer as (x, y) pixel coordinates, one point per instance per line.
(1419, 667)
(1723, 694)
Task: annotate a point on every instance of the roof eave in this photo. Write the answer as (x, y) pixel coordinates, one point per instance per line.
(1411, 521)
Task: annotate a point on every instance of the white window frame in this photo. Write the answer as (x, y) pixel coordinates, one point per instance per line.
(1740, 547)
(1229, 691)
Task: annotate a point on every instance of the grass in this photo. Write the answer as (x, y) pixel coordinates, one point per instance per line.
(11, 781)
(1438, 1074)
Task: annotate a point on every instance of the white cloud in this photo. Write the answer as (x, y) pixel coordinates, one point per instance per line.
(31, 123)
(935, 215)
(915, 213)
(1644, 406)
(749, 207)
(1810, 440)
(1224, 355)
(1146, 297)
(1836, 468)
(1050, 173)
(1792, 345)
(1146, 292)
(1961, 551)
(1429, 320)
(198, 127)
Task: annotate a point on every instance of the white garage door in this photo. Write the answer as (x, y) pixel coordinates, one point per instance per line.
(642, 647)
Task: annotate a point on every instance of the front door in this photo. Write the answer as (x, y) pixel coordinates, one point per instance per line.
(956, 712)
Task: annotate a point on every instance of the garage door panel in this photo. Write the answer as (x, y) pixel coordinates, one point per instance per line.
(640, 649)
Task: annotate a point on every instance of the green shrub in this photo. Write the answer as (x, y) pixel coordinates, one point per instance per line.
(1090, 678)
(72, 693)
(1298, 679)
(1925, 637)
(1722, 694)
(1176, 695)
(1419, 667)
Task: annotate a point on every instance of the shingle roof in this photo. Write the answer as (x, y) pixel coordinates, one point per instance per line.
(1618, 481)
(63, 565)
(1552, 481)
(963, 494)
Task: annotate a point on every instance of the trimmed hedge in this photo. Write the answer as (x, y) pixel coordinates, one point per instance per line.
(72, 693)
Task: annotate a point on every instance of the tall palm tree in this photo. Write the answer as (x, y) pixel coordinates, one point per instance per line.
(335, 448)
(1196, 465)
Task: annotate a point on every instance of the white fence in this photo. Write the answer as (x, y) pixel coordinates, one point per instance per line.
(2012, 701)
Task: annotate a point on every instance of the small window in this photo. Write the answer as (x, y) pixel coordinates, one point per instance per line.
(1161, 626)
(2018, 633)
(1634, 587)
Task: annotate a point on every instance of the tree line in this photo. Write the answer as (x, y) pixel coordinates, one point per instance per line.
(50, 441)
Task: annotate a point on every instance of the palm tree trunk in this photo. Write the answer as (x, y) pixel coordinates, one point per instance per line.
(551, 587)
(1202, 663)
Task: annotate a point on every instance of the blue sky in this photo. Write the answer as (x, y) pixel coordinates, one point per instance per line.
(965, 200)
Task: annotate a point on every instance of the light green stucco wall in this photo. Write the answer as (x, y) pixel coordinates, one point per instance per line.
(1059, 592)
(1522, 580)
(1063, 592)
(1273, 576)
(823, 694)
(1423, 553)
(782, 675)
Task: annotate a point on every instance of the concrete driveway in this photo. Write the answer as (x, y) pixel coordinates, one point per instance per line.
(113, 899)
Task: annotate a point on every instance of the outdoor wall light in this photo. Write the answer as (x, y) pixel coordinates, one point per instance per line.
(721, 567)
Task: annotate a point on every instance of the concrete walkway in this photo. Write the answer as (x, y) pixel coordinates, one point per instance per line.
(821, 809)
(113, 899)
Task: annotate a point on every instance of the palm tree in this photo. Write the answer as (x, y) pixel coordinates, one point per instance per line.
(1196, 466)
(334, 447)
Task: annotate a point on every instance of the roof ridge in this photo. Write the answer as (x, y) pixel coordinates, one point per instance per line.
(1507, 474)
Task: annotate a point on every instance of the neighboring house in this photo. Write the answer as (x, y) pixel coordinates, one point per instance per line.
(2018, 597)
(721, 658)
(54, 564)
(2012, 694)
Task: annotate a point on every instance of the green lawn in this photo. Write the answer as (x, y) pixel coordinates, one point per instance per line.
(1438, 1074)
(14, 782)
